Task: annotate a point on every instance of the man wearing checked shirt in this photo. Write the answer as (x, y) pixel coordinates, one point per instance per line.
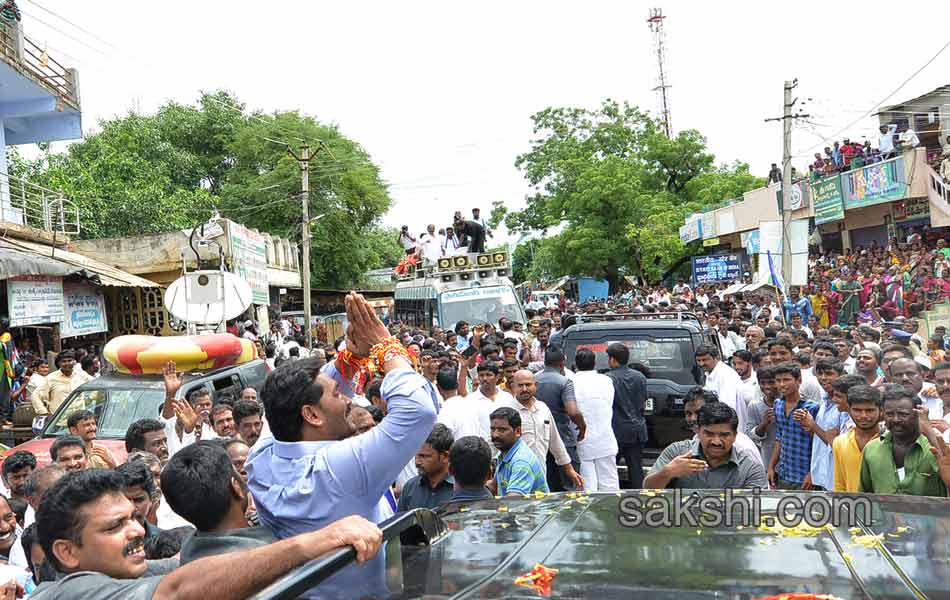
(790, 466)
(519, 470)
(315, 470)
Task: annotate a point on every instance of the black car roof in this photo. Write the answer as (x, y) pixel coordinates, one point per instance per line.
(480, 549)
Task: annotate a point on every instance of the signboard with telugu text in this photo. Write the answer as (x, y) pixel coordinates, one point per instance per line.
(85, 311)
(249, 260)
(35, 299)
(827, 195)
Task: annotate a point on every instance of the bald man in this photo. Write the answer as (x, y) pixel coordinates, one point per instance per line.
(537, 425)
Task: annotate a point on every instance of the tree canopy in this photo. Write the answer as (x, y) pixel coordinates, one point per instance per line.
(143, 174)
(613, 189)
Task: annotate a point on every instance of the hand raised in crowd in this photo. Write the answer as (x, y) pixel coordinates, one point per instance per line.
(186, 415)
(357, 532)
(173, 379)
(942, 453)
(365, 330)
(11, 590)
(685, 464)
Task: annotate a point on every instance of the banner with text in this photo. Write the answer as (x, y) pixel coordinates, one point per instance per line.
(827, 195)
(35, 299)
(718, 267)
(85, 311)
(874, 184)
(249, 260)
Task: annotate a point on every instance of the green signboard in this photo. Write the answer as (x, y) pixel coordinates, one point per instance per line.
(874, 184)
(827, 195)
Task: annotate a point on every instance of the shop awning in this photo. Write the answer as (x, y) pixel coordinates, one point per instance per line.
(14, 263)
(59, 262)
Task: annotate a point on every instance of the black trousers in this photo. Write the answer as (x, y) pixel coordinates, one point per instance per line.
(557, 480)
(632, 455)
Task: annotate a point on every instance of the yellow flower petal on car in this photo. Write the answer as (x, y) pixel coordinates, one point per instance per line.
(502, 508)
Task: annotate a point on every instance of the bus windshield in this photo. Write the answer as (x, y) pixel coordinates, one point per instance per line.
(479, 305)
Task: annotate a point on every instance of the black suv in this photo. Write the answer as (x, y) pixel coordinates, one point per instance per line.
(665, 344)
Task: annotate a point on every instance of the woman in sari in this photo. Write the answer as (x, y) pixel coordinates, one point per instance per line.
(832, 300)
(819, 306)
(850, 291)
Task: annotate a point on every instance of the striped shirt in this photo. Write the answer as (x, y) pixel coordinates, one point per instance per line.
(520, 472)
(794, 462)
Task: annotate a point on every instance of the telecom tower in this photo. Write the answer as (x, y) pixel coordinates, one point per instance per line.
(655, 21)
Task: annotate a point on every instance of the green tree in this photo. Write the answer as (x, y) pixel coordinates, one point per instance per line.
(143, 174)
(617, 188)
(127, 180)
(347, 195)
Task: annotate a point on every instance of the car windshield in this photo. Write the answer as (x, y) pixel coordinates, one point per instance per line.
(115, 410)
(666, 357)
(480, 305)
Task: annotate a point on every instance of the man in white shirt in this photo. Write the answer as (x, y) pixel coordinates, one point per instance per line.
(886, 142)
(488, 396)
(459, 413)
(431, 245)
(908, 138)
(538, 430)
(723, 380)
(742, 363)
(594, 394)
(477, 217)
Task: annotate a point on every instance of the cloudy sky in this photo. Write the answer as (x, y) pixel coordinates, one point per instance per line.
(441, 93)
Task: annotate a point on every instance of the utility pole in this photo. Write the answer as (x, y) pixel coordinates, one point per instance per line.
(787, 184)
(304, 161)
(787, 119)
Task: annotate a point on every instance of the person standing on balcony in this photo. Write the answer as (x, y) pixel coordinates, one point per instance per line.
(908, 138)
(10, 11)
(775, 175)
(886, 142)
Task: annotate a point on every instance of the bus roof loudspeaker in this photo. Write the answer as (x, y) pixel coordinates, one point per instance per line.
(484, 260)
(500, 258)
(445, 263)
(483, 274)
(460, 261)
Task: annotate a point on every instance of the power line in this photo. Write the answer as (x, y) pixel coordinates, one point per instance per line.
(882, 101)
(58, 16)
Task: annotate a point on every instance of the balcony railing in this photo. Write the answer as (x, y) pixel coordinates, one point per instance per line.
(34, 62)
(25, 203)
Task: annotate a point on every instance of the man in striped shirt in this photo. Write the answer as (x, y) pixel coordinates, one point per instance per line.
(519, 470)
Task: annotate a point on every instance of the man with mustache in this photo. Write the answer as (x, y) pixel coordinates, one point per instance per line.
(711, 461)
(902, 460)
(89, 534)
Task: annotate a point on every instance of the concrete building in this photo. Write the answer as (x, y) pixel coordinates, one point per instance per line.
(270, 264)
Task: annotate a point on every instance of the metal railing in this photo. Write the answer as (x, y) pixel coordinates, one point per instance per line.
(25, 203)
(31, 60)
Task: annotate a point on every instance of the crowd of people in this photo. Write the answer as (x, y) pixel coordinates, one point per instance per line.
(464, 236)
(847, 155)
(832, 388)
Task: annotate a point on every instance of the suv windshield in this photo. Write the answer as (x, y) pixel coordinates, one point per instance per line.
(667, 357)
(115, 410)
(479, 305)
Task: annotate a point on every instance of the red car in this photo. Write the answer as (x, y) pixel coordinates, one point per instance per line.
(119, 400)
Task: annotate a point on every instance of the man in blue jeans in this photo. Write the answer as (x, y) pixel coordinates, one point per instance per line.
(790, 467)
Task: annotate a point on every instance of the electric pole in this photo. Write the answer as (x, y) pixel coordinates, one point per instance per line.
(304, 161)
(785, 207)
(787, 184)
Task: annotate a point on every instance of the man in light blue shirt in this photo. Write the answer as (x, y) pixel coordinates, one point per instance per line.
(315, 470)
(825, 426)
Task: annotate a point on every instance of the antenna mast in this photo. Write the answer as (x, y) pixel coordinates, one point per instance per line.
(655, 21)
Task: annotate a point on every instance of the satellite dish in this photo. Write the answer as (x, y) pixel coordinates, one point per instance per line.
(207, 297)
